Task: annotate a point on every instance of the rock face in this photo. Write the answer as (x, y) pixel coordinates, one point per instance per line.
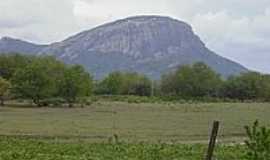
(151, 45)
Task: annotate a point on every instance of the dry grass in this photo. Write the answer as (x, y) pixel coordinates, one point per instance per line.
(135, 122)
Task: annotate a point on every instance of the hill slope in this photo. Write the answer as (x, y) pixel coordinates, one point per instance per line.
(8, 45)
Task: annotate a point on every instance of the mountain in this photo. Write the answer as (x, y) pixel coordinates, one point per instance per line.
(9, 45)
(152, 45)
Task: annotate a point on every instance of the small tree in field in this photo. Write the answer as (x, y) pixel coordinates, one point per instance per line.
(4, 87)
(258, 144)
(75, 83)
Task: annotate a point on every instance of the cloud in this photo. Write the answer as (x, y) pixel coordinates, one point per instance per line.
(237, 29)
(242, 39)
(94, 12)
(37, 20)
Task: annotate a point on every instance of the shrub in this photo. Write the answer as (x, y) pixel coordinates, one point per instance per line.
(258, 144)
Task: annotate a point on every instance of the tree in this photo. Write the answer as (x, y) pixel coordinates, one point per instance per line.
(10, 63)
(4, 87)
(35, 81)
(168, 85)
(111, 85)
(118, 83)
(197, 80)
(250, 85)
(136, 84)
(266, 87)
(75, 83)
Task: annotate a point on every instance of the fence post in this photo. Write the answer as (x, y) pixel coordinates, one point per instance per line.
(212, 141)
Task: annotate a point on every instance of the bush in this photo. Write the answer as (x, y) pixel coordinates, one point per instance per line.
(258, 144)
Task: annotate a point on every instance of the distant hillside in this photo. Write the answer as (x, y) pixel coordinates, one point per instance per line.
(8, 45)
(152, 45)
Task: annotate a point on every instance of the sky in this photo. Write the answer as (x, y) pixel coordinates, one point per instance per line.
(235, 29)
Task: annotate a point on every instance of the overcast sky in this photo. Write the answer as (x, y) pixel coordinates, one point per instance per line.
(236, 29)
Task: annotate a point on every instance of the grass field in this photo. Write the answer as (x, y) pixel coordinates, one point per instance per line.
(39, 149)
(170, 123)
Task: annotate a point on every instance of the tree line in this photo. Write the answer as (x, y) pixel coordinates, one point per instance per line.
(42, 78)
(199, 80)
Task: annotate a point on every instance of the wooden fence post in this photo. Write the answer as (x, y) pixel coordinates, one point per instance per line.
(212, 141)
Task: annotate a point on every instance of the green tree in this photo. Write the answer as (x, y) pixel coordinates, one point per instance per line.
(118, 83)
(10, 63)
(168, 85)
(266, 87)
(75, 83)
(136, 84)
(111, 85)
(35, 81)
(197, 80)
(4, 87)
(250, 86)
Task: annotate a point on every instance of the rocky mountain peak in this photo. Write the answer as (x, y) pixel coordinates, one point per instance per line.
(152, 45)
(136, 37)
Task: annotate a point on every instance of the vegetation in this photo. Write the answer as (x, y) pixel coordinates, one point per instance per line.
(11, 62)
(201, 82)
(4, 88)
(85, 133)
(76, 82)
(35, 81)
(46, 81)
(258, 143)
(197, 80)
(251, 85)
(27, 148)
(118, 83)
(111, 85)
(42, 79)
(44, 149)
(132, 122)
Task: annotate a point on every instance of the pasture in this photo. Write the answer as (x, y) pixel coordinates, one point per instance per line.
(134, 123)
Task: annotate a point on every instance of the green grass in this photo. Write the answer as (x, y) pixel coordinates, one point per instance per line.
(38, 149)
(170, 123)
